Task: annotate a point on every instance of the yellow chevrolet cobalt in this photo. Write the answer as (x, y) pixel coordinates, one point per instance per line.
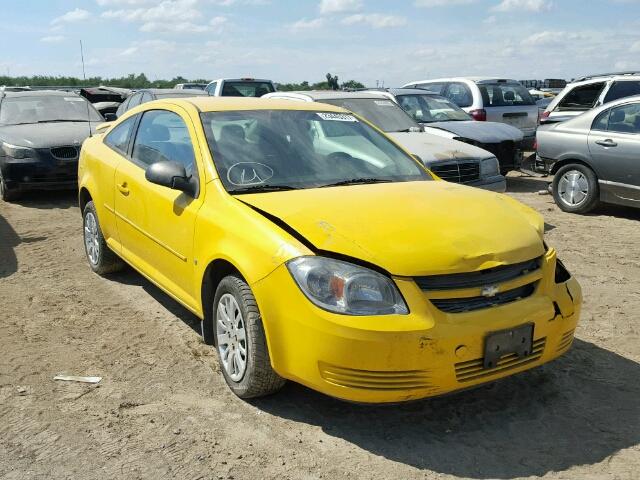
(315, 249)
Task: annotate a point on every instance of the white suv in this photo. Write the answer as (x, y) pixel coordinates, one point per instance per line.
(489, 99)
(589, 92)
(240, 87)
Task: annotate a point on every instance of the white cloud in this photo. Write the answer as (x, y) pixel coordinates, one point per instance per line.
(548, 37)
(441, 3)
(520, 5)
(339, 6)
(52, 39)
(168, 16)
(490, 20)
(76, 15)
(304, 24)
(375, 20)
(635, 48)
(105, 3)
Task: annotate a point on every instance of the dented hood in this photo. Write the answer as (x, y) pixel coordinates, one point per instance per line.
(410, 228)
(434, 148)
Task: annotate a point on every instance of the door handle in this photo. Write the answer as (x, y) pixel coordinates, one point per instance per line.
(123, 188)
(607, 143)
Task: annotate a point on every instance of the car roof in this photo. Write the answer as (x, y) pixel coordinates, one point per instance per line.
(411, 91)
(603, 78)
(41, 93)
(316, 95)
(177, 91)
(470, 79)
(220, 104)
(245, 79)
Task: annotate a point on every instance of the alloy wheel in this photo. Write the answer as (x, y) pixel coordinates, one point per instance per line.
(232, 337)
(91, 238)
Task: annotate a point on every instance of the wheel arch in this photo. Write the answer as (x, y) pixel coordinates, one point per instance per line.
(84, 197)
(568, 161)
(215, 271)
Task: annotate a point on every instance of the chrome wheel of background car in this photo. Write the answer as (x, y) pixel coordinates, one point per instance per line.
(232, 337)
(91, 238)
(573, 188)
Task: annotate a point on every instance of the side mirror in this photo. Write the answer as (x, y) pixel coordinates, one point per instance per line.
(110, 117)
(172, 175)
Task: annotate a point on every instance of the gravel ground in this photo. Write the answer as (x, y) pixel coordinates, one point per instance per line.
(163, 410)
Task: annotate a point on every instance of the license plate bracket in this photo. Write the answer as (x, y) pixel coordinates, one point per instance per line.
(518, 340)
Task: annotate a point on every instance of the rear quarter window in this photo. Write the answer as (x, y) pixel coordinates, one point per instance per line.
(622, 89)
(505, 95)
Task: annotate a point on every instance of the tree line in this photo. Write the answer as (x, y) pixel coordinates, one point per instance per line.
(139, 81)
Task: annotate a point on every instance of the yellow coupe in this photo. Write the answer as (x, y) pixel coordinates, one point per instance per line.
(316, 249)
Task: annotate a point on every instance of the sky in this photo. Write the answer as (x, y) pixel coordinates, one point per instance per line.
(372, 41)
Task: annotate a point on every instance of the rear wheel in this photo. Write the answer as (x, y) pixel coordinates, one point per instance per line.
(7, 194)
(575, 188)
(101, 258)
(241, 342)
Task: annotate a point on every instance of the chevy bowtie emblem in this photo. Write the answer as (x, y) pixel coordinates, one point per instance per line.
(489, 291)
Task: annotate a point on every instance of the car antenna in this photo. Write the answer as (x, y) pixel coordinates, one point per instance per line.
(84, 76)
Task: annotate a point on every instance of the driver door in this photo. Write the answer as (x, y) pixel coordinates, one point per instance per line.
(156, 223)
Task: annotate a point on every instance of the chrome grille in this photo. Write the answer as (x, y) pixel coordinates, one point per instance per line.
(64, 153)
(468, 304)
(474, 369)
(458, 172)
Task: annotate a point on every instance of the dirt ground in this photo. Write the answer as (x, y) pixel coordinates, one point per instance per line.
(163, 410)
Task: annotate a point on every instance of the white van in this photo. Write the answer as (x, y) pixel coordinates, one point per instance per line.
(489, 99)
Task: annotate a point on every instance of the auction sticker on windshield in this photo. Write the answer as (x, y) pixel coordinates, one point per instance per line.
(338, 117)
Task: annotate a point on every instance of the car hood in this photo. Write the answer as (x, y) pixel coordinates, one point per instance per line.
(410, 228)
(46, 135)
(483, 132)
(434, 148)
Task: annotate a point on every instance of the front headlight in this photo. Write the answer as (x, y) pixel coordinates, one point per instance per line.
(489, 167)
(346, 288)
(16, 151)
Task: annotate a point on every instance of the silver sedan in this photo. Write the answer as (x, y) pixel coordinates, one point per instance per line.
(595, 157)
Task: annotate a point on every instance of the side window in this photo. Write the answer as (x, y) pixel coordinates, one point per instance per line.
(124, 106)
(135, 101)
(601, 122)
(118, 138)
(146, 98)
(211, 88)
(621, 89)
(581, 98)
(163, 136)
(460, 94)
(625, 119)
(432, 87)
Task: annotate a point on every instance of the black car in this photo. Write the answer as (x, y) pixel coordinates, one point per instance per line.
(148, 94)
(40, 137)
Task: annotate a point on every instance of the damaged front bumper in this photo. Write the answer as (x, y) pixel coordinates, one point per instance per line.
(428, 352)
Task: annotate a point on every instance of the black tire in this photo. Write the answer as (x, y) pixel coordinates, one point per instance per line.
(259, 378)
(7, 195)
(106, 261)
(592, 198)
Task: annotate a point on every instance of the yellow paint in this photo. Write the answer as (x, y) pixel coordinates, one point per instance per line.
(406, 229)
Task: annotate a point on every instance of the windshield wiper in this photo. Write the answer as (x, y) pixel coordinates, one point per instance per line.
(356, 181)
(263, 188)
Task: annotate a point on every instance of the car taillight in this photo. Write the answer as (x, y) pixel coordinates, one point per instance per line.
(479, 115)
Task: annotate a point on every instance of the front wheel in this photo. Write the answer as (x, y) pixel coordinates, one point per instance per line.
(241, 341)
(575, 188)
(6, 194)
(101, 259)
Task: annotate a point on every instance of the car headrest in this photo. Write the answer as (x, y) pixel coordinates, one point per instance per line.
(232, 134)
(157, 133)
(617, 116)
(509, 96)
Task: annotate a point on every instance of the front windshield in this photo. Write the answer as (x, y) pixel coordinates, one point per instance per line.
(431, 108)
(45, 109)
(384, 114)
(263, 150)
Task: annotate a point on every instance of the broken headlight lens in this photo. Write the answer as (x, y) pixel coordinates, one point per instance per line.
(16, 151)
(489, 167)
(343, 287)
